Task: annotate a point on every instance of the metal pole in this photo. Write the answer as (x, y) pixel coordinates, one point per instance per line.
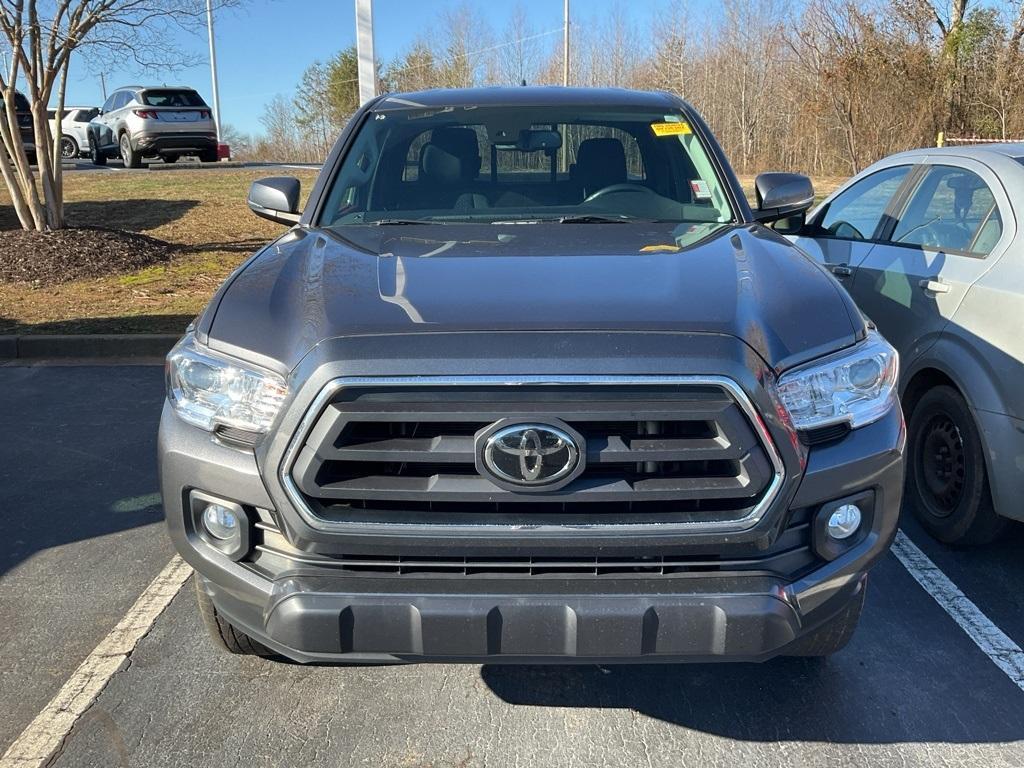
(364, 50)
(565, 44)
(103, 86)
(564, 151)
(213, 68)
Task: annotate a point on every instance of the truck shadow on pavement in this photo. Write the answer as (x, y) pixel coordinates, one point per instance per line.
(908, 675)
(80, 462)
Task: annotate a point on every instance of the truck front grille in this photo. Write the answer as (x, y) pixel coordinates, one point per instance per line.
(789, 556)
(690, 453)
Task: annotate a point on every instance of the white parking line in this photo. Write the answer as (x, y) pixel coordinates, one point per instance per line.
(992, 641)
(44, 735)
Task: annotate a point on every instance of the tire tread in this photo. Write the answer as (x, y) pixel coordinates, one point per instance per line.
(223, 633)
(834, 635)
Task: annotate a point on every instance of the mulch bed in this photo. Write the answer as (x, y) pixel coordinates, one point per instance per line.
(49, 258)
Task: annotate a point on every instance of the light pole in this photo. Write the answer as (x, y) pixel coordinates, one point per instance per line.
(364, 50)
(213, 69)
(565, 43)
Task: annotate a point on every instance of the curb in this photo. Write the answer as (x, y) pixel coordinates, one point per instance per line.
(90, 346)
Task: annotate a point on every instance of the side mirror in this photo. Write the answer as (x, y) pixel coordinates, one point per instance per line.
(276, 199)
(782, 196)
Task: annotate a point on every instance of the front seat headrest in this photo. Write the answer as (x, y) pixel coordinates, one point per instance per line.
(600, 163)
(451, 154)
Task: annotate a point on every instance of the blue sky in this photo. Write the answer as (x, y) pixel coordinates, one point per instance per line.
(263, 48)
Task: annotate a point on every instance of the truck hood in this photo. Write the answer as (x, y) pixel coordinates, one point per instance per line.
(742, 281)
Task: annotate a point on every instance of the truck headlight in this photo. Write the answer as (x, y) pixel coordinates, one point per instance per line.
(208, 390)
(856, 386)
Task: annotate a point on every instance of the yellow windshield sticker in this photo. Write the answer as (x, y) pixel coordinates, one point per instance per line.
(660, 249)
(670, 129)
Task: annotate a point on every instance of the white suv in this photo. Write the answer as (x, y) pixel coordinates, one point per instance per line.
(74, 128)
(167, 122)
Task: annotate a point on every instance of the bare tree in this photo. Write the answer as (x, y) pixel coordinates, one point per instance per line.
(519, 58)
(41, 36)
(281, 140)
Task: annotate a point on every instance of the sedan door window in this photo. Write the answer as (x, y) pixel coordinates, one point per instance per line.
(858, 213)
(952, 210)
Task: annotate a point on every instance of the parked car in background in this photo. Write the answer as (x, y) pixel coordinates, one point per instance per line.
(528, 380)
(23, 111)
(927, 244)
(167, 122)
(74, 128)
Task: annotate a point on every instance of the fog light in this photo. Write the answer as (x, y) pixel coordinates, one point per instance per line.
(844, 521)
(220, 522)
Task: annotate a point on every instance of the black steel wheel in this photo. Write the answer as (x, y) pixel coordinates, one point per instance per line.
(947, 484)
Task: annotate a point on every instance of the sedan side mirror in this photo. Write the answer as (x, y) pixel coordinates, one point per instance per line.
(276, 199)
(782, 196)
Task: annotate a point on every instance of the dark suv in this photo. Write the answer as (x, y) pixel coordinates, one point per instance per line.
(23, 113)
(528, 380)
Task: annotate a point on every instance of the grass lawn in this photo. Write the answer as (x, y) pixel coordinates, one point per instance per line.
(202, 211)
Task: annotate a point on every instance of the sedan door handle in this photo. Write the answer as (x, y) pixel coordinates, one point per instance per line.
(841, 270)
(934, 286)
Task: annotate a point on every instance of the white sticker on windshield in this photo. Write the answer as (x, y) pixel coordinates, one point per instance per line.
(701, 190)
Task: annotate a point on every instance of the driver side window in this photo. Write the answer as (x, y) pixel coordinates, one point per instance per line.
(856, 213)
(951, 210)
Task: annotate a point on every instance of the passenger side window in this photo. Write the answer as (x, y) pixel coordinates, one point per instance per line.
(952, 209)
(856, 213)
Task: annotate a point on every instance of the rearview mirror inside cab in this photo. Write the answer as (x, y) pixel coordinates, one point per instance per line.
(276, 199)
(783, 198)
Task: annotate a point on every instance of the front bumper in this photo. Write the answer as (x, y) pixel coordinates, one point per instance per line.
(313, 614)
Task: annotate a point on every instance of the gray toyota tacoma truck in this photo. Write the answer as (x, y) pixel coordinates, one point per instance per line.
(528, 380)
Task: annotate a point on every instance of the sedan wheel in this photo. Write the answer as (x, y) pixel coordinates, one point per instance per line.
(946, 479)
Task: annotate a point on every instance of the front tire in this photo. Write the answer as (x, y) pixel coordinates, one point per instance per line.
(832, 636)
(68, 148)
(946, 478)
(222, 632)
(97, 157)
(131, 158)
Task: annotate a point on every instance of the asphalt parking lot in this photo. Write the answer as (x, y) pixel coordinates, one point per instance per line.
(83, 537)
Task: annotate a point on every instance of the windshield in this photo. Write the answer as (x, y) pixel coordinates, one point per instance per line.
(523, 165)
(175, 98)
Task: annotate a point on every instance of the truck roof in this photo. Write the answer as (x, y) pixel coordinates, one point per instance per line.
(532, 96)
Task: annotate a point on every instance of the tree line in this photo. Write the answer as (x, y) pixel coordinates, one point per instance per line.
(821, 86)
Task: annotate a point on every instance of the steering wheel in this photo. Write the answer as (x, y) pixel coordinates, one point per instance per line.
(614, 189)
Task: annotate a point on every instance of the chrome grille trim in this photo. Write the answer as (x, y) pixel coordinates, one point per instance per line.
(333, 387)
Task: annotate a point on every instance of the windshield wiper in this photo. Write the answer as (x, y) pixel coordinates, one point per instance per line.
(592, 219)
(400, 222)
